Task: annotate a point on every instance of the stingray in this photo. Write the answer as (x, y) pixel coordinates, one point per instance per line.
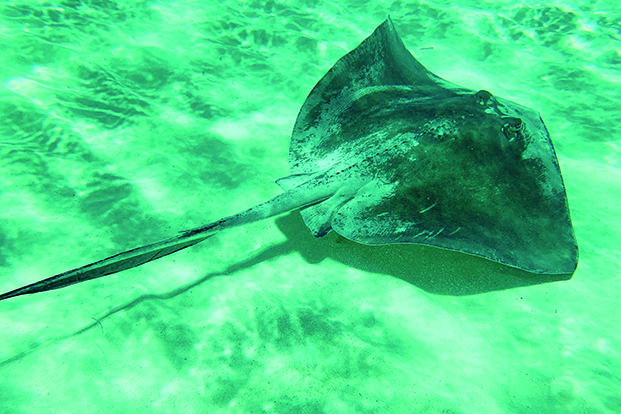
(384, 151)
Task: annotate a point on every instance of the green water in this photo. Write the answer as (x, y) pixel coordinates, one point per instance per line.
(123, 122)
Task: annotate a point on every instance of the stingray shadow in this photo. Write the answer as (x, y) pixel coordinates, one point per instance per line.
(432, 269)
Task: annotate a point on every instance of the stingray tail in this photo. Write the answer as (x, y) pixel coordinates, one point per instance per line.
(110, 265)
(285, 202)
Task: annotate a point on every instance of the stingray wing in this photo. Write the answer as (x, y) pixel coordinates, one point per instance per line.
(439, 164)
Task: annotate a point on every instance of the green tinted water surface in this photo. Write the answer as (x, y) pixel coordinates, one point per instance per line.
(124, 122)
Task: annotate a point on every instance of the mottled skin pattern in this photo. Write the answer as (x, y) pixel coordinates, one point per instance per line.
(383, 151)
(441, 165)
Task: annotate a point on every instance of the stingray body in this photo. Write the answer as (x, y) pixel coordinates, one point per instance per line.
(383, 151)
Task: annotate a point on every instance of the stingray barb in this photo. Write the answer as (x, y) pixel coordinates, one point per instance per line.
(384, 151)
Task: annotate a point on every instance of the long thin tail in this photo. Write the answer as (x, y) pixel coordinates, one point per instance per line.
(141, 255)
(110, 265)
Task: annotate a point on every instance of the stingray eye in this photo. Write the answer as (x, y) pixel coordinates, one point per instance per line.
(512, 127)
(484, 98)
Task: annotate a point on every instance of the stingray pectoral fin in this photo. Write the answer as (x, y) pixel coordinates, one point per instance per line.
(110, 265)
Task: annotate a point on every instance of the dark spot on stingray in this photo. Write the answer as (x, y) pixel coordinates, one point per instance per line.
(484, 98)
